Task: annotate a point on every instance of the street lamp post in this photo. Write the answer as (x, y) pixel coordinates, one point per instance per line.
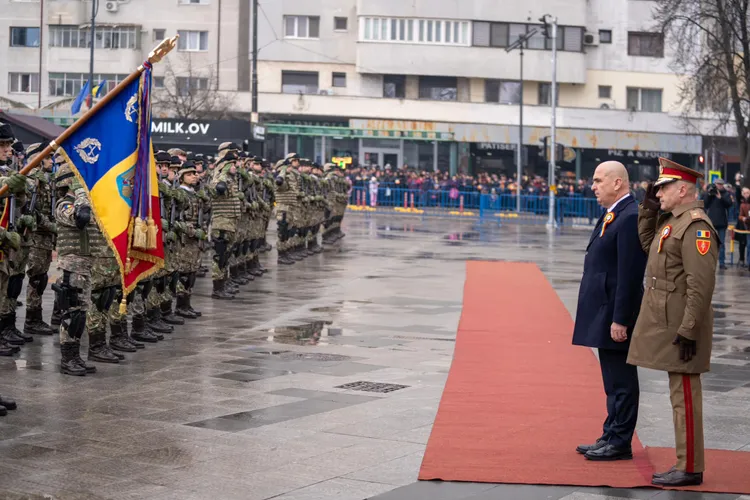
(518, 44)
(553, 96)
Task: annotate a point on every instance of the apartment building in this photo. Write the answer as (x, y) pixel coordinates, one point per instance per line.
(428, 83)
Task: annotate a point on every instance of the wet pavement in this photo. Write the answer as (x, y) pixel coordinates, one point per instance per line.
(320, 381)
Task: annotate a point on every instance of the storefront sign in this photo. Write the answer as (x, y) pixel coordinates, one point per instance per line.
(259, 132)
(625, 153)
(495, 146)
(179, 127)
(213, 130)
(345, 132)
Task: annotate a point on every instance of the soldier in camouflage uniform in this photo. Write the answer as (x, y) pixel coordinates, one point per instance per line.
(41, 242)
(24, 224)
(9, 239)
(175, 223)
(240, 249)
(338, 199)
(320, 204)
(286, 195)
(194, 235)
(269, 196)
(260, 224)
(79, 244)
(160, 292)
(225, 215)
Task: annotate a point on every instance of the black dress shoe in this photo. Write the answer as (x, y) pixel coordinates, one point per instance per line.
(676, 477)
(608, 453)
(662, 474)
(583, 448)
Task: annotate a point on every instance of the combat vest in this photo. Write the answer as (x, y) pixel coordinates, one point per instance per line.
(225, 209)
(89, 242)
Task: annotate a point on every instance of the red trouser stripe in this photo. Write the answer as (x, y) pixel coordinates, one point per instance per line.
(689, 424)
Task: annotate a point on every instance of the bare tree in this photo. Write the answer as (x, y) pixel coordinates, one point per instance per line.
(190, 92)
(711, 43)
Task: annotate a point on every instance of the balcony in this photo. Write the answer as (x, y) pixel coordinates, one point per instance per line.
(470, 62)
(71, 12)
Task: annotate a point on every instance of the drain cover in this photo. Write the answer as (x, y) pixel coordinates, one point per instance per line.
(372, 386)
(313, 356)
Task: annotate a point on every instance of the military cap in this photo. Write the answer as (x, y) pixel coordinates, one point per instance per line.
(190, 156)
(228, 146)
(187, 167)
(291, 156)
(228, 156)
(6, 132)
(175, 162)
(34, 149)
(176, 152)
(209, 158)
(329, 166)
(670, 171)
(199, 158)
(279, 164)
(18, 147)
(162, 157)
(256, 159)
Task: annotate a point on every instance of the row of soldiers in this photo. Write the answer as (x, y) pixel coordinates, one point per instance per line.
(220, 210)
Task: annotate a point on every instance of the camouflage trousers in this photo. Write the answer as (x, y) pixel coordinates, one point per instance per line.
(4, 286)
(222, 272)
(17, 260)
(105, 273)
(189, 257)
(39, 262)
(79, 269)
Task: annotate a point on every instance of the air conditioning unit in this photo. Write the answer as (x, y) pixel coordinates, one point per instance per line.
(591, 39)
(326, 92)
(112, 6)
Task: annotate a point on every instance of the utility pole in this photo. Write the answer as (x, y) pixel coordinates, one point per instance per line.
(254, 63)
(519, 43)
(551, 223)
(41, 51)
(92, 31)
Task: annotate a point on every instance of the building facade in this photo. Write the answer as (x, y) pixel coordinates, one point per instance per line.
(434, 84)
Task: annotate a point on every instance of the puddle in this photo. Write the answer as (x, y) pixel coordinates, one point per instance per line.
(470, 236)
(312, 333)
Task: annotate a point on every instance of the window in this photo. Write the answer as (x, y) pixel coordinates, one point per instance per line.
(394, 86)
(545, 91)
(646, 44)
(187, 85)
(485, 34)
(438, 88)
(340, 24)
(481, 34)
(24, 37)
(192, 41)
(376, 29)
(158, 82)
(503, 92)
(107, 37)
(23, 83)
(299, 82)
(572, 39)
(605, 91)
(339, 80)
(644, 99)
(69, 84)
(302, 27)
(605, 36)
(159, 35)
(499, 35)
(195, 2)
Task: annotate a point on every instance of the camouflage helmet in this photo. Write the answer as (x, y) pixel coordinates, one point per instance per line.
(64, 176)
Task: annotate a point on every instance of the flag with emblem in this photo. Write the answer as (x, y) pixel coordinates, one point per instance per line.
(702, 234)
(112, 156)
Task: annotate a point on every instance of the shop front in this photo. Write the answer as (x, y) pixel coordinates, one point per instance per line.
(205, 136)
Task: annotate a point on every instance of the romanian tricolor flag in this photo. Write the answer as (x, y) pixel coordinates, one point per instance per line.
(5, 220)
(112, 156)
(703, 234)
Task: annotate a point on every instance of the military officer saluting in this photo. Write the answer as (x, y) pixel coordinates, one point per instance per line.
(675, 326)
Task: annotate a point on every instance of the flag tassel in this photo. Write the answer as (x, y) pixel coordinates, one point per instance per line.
(124, 306)
(151, 234)
(140, 234)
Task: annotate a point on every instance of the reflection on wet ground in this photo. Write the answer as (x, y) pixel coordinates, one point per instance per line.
(269, 395)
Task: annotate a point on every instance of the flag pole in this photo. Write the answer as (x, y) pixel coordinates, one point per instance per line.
(154, 56)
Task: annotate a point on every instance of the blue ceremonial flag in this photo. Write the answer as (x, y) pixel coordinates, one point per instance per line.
(112, 156)
(81, 97)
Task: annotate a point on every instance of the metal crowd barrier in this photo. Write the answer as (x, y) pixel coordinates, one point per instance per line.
(453, 203)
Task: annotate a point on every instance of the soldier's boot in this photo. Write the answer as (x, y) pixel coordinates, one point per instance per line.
(248, 270)
(202, 272)
(117, 340)
(56, 317)
(155, 322)
(189, 299)
(181, 307)
(68, 362)
(8, 403)
(316, 246)
(254, 268)
(6, 349)
(15, 332)
(139, 330)
(81, 362)
(126, 336)
(35, 325)
(220, 292)
(5, 340)
(168, 315)
(99, 350)
(158, 335)
(236, 275)
(231, 288)
(296, 253)
(266, 246)
(284, 259)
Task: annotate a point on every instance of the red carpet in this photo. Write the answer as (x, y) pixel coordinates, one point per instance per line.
(520, 397)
